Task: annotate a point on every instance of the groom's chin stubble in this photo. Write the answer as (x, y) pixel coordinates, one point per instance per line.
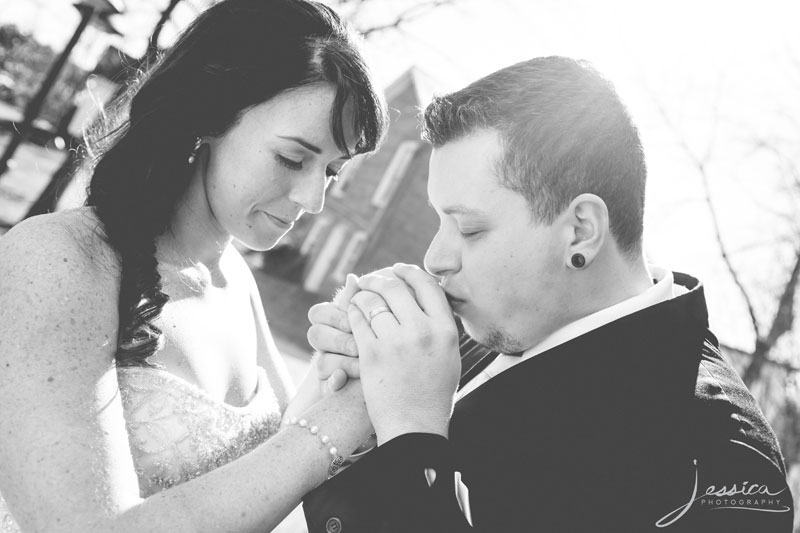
(498, 339)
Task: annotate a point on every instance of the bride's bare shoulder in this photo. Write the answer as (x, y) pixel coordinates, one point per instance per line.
(58, 288)
(75, 235)
(67, 247)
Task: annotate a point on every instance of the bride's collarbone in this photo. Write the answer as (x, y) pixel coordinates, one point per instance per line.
(194, 281)
(210, 342)
(213, 324)
(209, 329)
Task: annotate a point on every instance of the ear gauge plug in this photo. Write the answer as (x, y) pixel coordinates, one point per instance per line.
(578, 261)
(193, 154)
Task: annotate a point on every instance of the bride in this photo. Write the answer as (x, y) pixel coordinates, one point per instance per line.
(141, 388)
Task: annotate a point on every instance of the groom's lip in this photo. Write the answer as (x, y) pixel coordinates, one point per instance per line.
(454, 301)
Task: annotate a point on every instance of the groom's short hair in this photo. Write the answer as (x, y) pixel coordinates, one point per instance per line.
(565, 132)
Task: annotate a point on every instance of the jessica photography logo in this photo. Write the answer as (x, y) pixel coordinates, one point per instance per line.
(746, 495)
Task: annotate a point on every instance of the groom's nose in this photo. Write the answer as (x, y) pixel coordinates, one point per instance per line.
(442, 257)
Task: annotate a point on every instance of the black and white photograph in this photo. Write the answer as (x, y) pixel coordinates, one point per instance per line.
(384, 266)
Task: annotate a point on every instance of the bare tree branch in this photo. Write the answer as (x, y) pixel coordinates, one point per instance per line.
(761, 244)
(789, 165)
(781, 324)
(788, 367)
(784, 316)
(701, 164)
(408, 15)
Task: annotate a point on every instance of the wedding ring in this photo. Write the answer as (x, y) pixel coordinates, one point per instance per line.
(375, 312)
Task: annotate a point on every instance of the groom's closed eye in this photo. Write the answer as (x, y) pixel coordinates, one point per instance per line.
(470, 232)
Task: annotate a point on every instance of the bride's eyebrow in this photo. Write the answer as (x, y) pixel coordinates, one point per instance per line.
(302, 142)
(308, 146)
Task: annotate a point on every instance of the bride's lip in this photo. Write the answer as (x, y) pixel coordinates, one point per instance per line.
(281, 223)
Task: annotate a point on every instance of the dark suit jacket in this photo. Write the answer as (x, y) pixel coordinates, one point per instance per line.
(635, 425)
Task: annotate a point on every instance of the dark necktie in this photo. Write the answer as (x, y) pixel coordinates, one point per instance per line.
(474, 358)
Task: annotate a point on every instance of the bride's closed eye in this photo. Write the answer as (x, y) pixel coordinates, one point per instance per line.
(330, 173)
(291, 164)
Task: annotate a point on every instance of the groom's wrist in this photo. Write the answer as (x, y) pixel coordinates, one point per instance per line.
(388, 432)
(411, 418)
(409, 455)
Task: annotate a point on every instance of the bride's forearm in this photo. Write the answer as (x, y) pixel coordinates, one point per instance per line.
(309, 393)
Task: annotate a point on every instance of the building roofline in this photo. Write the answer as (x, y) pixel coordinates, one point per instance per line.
(421, 81)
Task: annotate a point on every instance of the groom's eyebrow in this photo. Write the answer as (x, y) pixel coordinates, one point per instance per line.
(460, 209)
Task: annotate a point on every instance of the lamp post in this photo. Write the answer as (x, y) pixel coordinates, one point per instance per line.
(87, 9)
(59, 180)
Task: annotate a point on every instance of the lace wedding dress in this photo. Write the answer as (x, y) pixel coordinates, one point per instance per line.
(177, 431)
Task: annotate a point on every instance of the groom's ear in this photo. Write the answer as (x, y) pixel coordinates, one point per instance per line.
(587, 227)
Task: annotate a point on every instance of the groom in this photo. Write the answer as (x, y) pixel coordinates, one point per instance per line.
(611, 408)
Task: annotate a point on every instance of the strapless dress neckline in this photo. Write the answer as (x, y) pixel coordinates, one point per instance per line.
(178, 431)
(262, 386)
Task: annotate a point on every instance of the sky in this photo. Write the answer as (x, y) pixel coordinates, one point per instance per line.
(717, 76)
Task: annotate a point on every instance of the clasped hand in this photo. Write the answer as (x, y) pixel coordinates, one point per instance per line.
(394, 329)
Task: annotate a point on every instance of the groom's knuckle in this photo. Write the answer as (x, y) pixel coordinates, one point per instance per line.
(379, 283)
(364, 297)
(393, 284)
(351, 345)
(401, 266)
(370, 279)
(360, 299)
(384, 272)
(343, 323)
(352, 368)
(375, 300)
(344, 344)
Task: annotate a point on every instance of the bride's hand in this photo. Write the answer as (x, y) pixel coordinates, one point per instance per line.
(336, 356)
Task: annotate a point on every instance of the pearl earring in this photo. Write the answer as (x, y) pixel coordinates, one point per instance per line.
(193, 153)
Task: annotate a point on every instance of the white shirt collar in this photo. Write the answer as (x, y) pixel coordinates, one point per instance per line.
(661, 291)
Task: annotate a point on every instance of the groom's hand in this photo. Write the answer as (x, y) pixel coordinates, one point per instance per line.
(336, 354)
(409, 353)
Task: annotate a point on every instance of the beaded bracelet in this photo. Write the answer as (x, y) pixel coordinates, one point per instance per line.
(337, 461)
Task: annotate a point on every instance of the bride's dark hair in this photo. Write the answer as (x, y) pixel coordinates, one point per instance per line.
(235, 55)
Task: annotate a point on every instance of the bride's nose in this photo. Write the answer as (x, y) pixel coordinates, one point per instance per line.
(309, 192)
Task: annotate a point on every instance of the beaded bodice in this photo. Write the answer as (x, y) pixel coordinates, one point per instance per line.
(177, 431)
